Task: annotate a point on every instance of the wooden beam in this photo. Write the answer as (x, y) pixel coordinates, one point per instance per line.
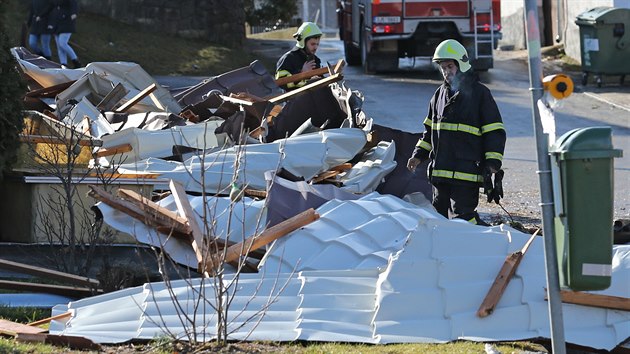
(153, 216)
(113, 150)
(50, 115)
(48, 273)
(71, 291)
(594, 300)
(49, 319)
(324, 175)
(112, 98)
(137, 98)
(50, 91)
(301, 76)
(255, 193)
(257, 241)
(147, 204)
(312, 86)
(49, 139)
(503, 278)
(339, 66)
(238, 101)
(273, 114)
(341, 168)
(186, 210)
(189, 115)
(87, 126)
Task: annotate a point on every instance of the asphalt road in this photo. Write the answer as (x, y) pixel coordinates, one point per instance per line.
(399, 101)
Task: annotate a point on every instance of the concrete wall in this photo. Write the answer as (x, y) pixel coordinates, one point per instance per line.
(221, 21)
(572, 38)
(321, 11)
(513, 22)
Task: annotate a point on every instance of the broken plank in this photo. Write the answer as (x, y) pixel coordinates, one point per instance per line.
(312, 86)
(13, 328)
(112, 98)
(139, 211)
(50, 91)
(257, 241)
(324, 176)
(50, 115)
(301, 76)
(255, 193)
(71, 291)
(189, 115)
(49, 319)
(87, 126)
(339, 66)
(155, 209)
(113, 150)
(49, 139)
(186, 210)
(503, 279)
(238, 101)
(137, 98)
(341, 168)
(48, 273)
(594, 300)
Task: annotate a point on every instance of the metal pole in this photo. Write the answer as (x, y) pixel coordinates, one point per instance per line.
(544, 175)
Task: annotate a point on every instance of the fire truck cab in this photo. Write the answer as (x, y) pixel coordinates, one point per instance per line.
(376, 33)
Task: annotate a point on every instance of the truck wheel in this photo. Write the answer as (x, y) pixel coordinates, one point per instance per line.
(365, 57)
(353, 54)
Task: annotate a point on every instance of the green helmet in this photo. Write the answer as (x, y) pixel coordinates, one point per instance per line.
(306, 31)
(452, 49)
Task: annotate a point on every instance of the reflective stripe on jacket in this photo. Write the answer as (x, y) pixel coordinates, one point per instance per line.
(291, 63)
(462, 131)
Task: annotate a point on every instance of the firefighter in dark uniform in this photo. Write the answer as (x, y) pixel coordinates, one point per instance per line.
(302, 57)
(464, 138)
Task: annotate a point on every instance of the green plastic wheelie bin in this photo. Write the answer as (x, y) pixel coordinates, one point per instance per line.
(582, 172)
(604, 43)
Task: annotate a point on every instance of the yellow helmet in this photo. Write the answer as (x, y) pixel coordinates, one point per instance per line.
(452, 49)
(306, 31)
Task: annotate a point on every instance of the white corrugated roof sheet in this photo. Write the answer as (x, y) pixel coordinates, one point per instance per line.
(392, 272)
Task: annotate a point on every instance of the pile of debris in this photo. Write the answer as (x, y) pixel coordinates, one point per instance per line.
(285, 186)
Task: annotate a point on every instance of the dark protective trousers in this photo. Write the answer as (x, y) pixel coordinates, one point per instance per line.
(457, 201)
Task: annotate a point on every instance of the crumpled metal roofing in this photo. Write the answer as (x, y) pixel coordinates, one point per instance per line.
(304, 155)
(425, 289)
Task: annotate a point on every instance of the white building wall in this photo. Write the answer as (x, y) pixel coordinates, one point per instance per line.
(512, 20)
(323, 12)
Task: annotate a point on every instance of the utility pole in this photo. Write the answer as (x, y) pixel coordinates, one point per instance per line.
(544, 175)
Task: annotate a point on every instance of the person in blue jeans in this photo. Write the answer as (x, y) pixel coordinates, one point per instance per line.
(39, 34)
(63, 19)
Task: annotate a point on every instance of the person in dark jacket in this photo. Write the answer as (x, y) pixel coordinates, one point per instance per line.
(302, 57)
(464, 136)
(39, 34)
(63, 19)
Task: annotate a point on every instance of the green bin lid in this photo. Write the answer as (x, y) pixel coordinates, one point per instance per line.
(581, 143)
(604, 15)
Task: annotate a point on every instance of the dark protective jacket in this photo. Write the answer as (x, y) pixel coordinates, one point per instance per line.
(60, 17)
(41, 9)
(464, 133)
(291, 63)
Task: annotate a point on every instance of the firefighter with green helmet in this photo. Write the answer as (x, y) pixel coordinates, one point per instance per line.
(464, 138)
(301, 58)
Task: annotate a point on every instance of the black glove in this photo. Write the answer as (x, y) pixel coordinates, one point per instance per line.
(494, 191)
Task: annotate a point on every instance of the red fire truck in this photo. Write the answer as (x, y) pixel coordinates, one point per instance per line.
(376, 33)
